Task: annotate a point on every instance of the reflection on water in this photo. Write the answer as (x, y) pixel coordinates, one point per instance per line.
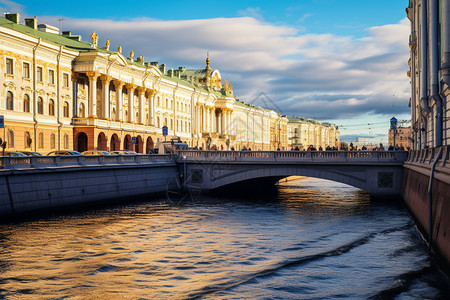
(313, 239)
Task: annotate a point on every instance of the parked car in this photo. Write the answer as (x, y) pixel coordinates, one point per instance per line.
(95, 152)
(123, 152)
(64, 152)
(31, 153)
(12, 153)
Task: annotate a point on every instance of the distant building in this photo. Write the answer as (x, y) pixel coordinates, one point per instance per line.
(303, 133)
(401, 136)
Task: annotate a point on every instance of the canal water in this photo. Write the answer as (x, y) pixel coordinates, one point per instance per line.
(310, 239)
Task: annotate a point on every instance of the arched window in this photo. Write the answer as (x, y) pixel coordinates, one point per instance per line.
(66, 109)
(10, 138)
(52, 141)
(159, 101)
(81, 110)
(26, 103)
(9, 101)
(51, 107)
(157, 122)
(167, 103)
(165, 122)
(41, 140)
(66, 141)
(40, 106)
(27, 140)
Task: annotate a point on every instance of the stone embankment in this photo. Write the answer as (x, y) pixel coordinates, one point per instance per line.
(429, 200)
(38, 183)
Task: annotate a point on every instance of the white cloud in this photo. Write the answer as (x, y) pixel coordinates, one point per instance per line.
(319, 75)
(10, 6)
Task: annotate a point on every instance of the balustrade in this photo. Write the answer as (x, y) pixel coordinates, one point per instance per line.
(286, 156)
(30, 162)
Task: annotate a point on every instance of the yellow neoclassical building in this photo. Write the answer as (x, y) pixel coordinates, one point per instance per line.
(60, 92)
(306, 133)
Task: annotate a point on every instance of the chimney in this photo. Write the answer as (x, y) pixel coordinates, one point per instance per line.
(31, 22)
(13, 17)
(162, 68)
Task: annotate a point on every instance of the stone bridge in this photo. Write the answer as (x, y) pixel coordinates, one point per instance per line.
(377, 172)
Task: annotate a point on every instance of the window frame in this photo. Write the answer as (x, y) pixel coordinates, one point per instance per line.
(40, 106)
(9, 65)
(26, 66)
(66, 109)
(51, 107)
(26, 103)
(66, 80)
(39, 74)
(9, 100)
(51, 77)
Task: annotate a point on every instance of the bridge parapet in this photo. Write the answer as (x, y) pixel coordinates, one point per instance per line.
(294, 156)
(87, 160)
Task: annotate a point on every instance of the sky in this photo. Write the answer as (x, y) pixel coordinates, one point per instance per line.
(338, 61)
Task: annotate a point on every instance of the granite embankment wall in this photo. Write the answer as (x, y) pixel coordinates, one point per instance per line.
(31, 184)
(416, 179)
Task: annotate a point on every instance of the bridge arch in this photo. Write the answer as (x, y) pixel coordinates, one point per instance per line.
(379, 174)
(271, 174)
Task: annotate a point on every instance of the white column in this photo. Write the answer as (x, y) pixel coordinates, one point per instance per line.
(106, 99)
(119, 99)
(141, 93)
(230, 124)
(92, 94)
(222, 121)
(130, 89)
(152, 107)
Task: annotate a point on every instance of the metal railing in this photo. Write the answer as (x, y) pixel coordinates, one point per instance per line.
(20, 162)
(305, 156)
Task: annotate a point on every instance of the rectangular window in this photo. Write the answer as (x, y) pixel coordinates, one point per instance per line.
(26, 70)
(51, 76)
(39, 75)
(9, 66)
(66, 80)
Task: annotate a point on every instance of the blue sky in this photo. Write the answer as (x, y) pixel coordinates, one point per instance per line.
(343, 61)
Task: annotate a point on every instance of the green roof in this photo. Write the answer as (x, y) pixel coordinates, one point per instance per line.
(53, 38)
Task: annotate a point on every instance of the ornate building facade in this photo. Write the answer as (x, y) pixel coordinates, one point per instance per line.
(60, 92)
(430, 73)
(305, 133)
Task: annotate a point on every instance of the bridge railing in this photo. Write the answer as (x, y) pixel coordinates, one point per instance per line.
(20, 162)
(315, 156)
(427, 156)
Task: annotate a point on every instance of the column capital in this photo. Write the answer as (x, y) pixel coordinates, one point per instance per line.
(93, 75)
(118, 84)
(105, 79)
(130, 86)
(141, 90)
(151, 92)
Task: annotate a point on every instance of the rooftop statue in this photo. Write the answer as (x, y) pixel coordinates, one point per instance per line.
(94, 37)
(131, 55)
(107, 44)
(119, 49)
